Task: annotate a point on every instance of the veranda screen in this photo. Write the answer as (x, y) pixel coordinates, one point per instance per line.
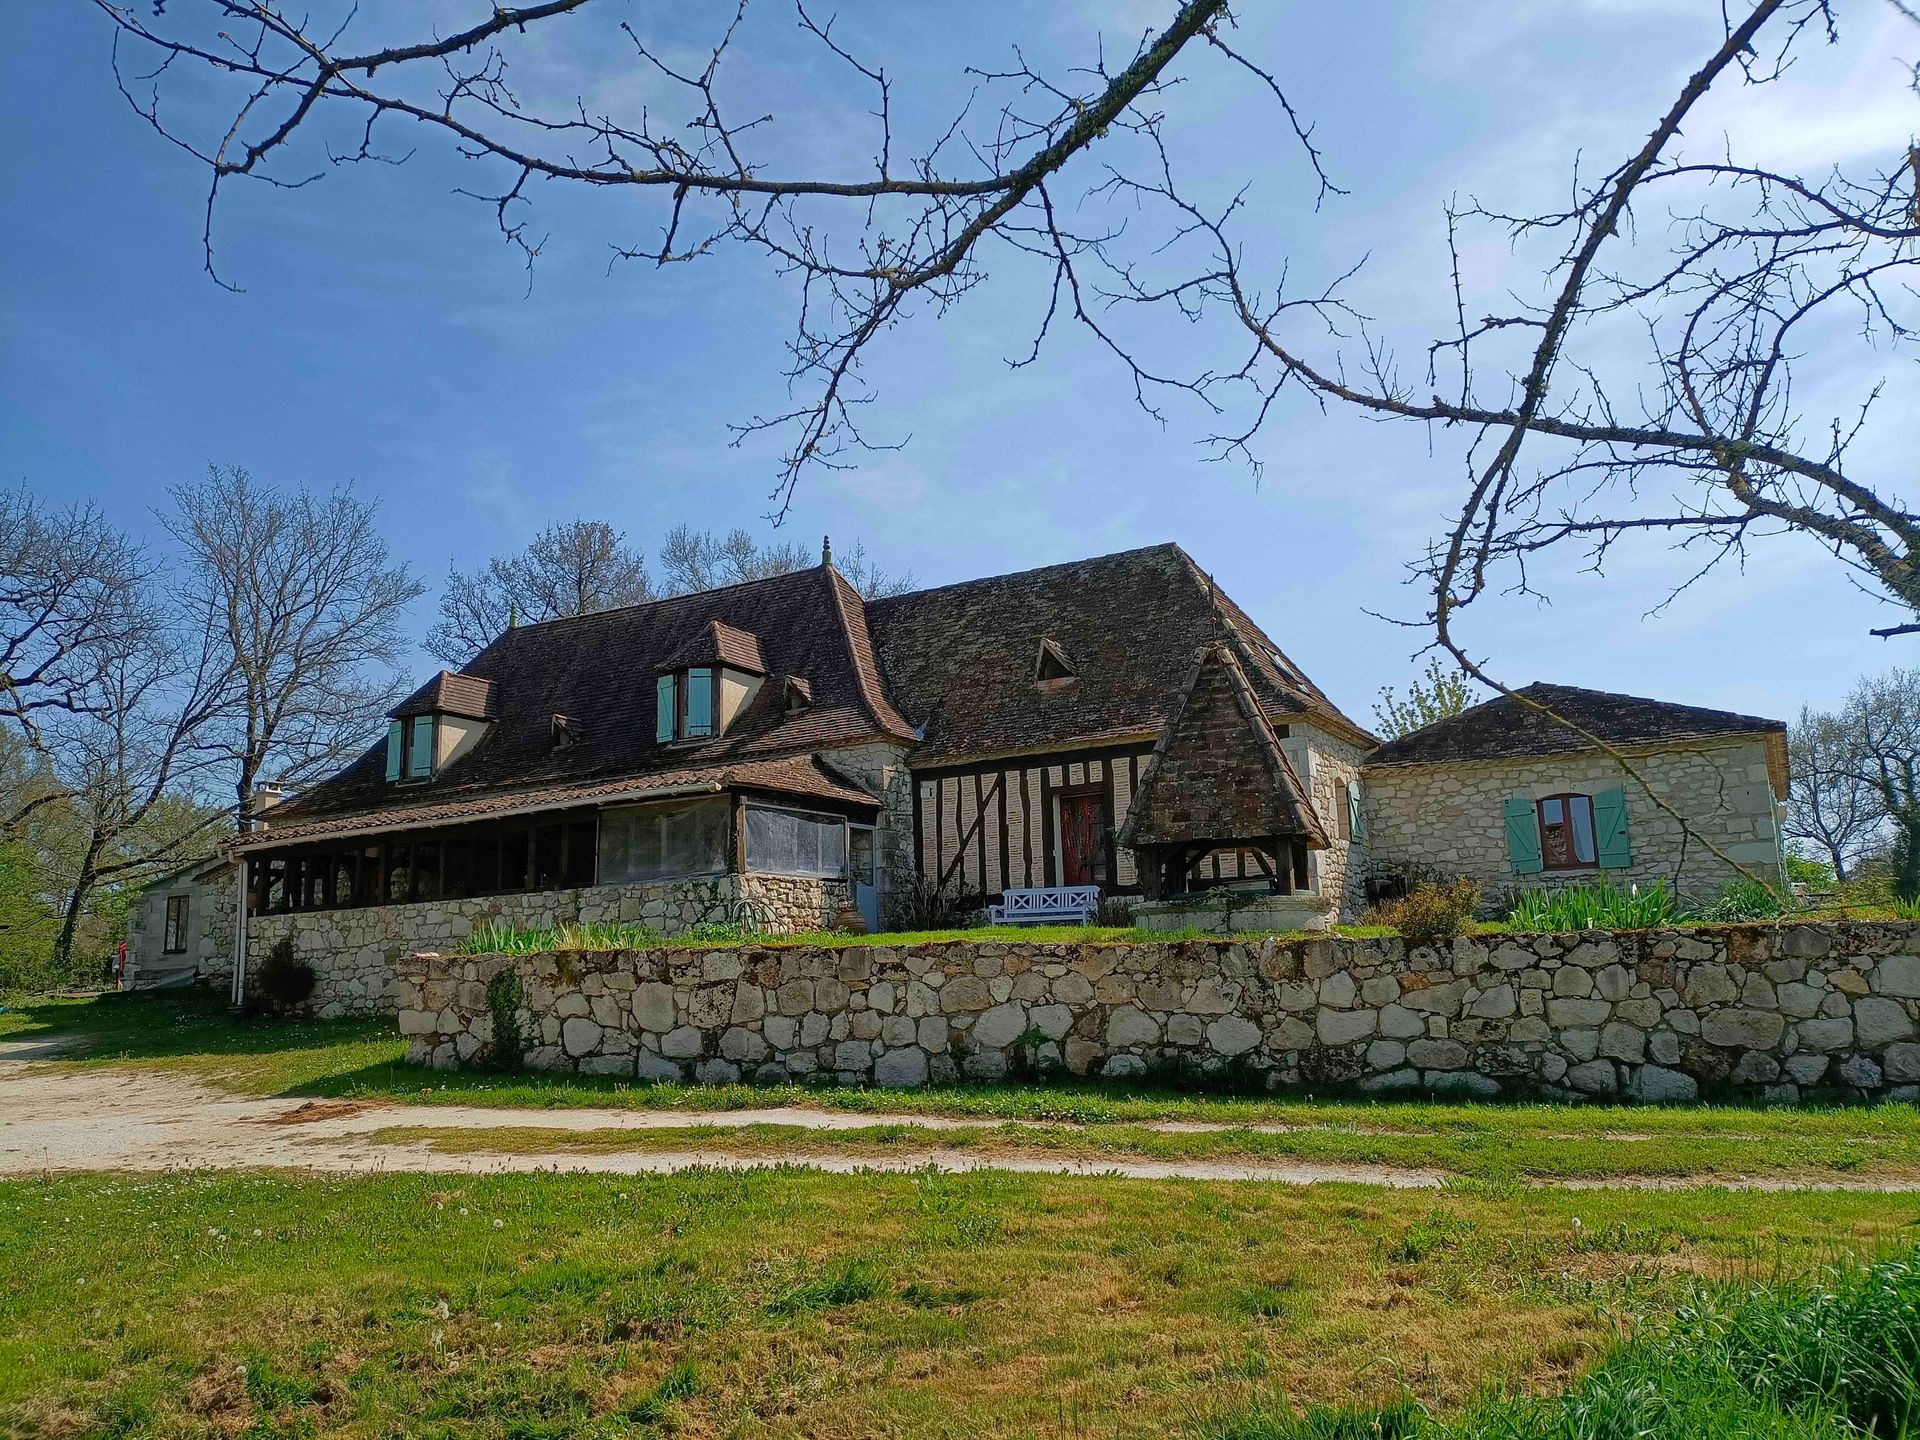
(664, 842)
(788, 842)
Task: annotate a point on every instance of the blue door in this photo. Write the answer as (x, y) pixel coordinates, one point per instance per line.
(863, 871)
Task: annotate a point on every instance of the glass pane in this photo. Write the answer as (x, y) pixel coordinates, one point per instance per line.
(1553, 812)
(1582, 828)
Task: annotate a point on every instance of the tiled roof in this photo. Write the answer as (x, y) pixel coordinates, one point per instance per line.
(719, 644)
(960, 658)
(1505, 727)
(797, 775)
(450, 693)
(1217, 773)
(598, 670)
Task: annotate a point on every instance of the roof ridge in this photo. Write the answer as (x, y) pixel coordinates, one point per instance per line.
(662, 600)
(1034, 570)
(866, 673)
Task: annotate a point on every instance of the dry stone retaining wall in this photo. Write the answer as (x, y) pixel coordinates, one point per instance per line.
(354, 952)
(1773, 1011)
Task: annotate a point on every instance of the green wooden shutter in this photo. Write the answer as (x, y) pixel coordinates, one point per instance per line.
(395, 744)
(1356, 821)
(422, 746)
(663, 708)
(699, 702)
(1610, 829)
(1523, 835)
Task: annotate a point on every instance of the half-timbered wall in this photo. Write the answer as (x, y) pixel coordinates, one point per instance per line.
(995, 826)
(984, 828)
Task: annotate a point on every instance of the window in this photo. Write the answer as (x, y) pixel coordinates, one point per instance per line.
(683, 706)
(1566, 833)
(788, 842)
(410, 748)
(1053, 664)
(660, 842)
(175, 941)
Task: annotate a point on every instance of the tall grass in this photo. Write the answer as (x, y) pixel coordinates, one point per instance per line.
(494, 938)
(1835, 1358)
(1602, 906)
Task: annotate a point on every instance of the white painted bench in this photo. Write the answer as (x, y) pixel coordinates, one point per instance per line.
(1074, 904)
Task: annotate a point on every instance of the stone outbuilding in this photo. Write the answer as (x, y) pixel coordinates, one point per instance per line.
(1506, 795)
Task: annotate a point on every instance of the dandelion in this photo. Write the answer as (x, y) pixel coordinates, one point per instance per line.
(498, 1223)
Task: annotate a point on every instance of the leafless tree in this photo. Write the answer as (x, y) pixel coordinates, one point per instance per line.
(571, 569)
(136, 762)
(69, 588)
(913, 217)
(1736, 277)
(308, 603)
(703, 560)
(1833, 809)
(1881, 723)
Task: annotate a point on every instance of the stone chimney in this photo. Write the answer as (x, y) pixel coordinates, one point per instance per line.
(266, 795)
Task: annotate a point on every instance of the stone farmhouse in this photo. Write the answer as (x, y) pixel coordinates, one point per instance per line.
(783, 754)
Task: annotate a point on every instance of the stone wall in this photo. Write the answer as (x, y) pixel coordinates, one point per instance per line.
(354, 952)
(1447, 818)
(881, 766)
(1775, 1012)
(209, 952)
(1339, 871)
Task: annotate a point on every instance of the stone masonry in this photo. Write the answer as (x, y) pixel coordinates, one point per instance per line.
(354, 952)
(1446, 817)
(1779, 1012)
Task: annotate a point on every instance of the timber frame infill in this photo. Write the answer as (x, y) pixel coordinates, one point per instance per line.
(986, 826)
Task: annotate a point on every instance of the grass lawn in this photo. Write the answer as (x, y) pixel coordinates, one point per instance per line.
(192, 1034)
(788, 1303)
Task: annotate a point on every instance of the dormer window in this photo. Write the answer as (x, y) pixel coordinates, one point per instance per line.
(799, 694)
(410, 748)
(684, 707)
(1052, 667)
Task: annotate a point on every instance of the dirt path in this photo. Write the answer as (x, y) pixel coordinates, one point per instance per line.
(53, 1118)
(56, 1118)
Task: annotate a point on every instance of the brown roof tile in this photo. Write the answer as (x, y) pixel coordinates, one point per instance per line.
(450, 693)
(719, 644)
(598, 670)
(1506, 727)
(1217, 773)
(798, 775)
(960, 658)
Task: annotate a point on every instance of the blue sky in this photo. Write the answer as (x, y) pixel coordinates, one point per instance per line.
(387, 336)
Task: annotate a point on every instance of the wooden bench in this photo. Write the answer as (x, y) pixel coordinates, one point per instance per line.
(1052, 905)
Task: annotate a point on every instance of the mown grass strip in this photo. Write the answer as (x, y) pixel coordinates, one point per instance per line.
(1689, 1158)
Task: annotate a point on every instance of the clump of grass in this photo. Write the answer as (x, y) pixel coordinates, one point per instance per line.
(1599, 906)
(494, 938)
(847, 1282)
(1837, 1357)
(1743, 899)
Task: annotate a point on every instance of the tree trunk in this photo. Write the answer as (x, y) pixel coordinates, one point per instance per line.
(76, 903)
(1906, 880)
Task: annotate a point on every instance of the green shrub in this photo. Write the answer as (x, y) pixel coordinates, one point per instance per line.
(282, 982)
(1599, 906)
(505, 996)
(1431, 914)
(1815, 873)
(1743, 899)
